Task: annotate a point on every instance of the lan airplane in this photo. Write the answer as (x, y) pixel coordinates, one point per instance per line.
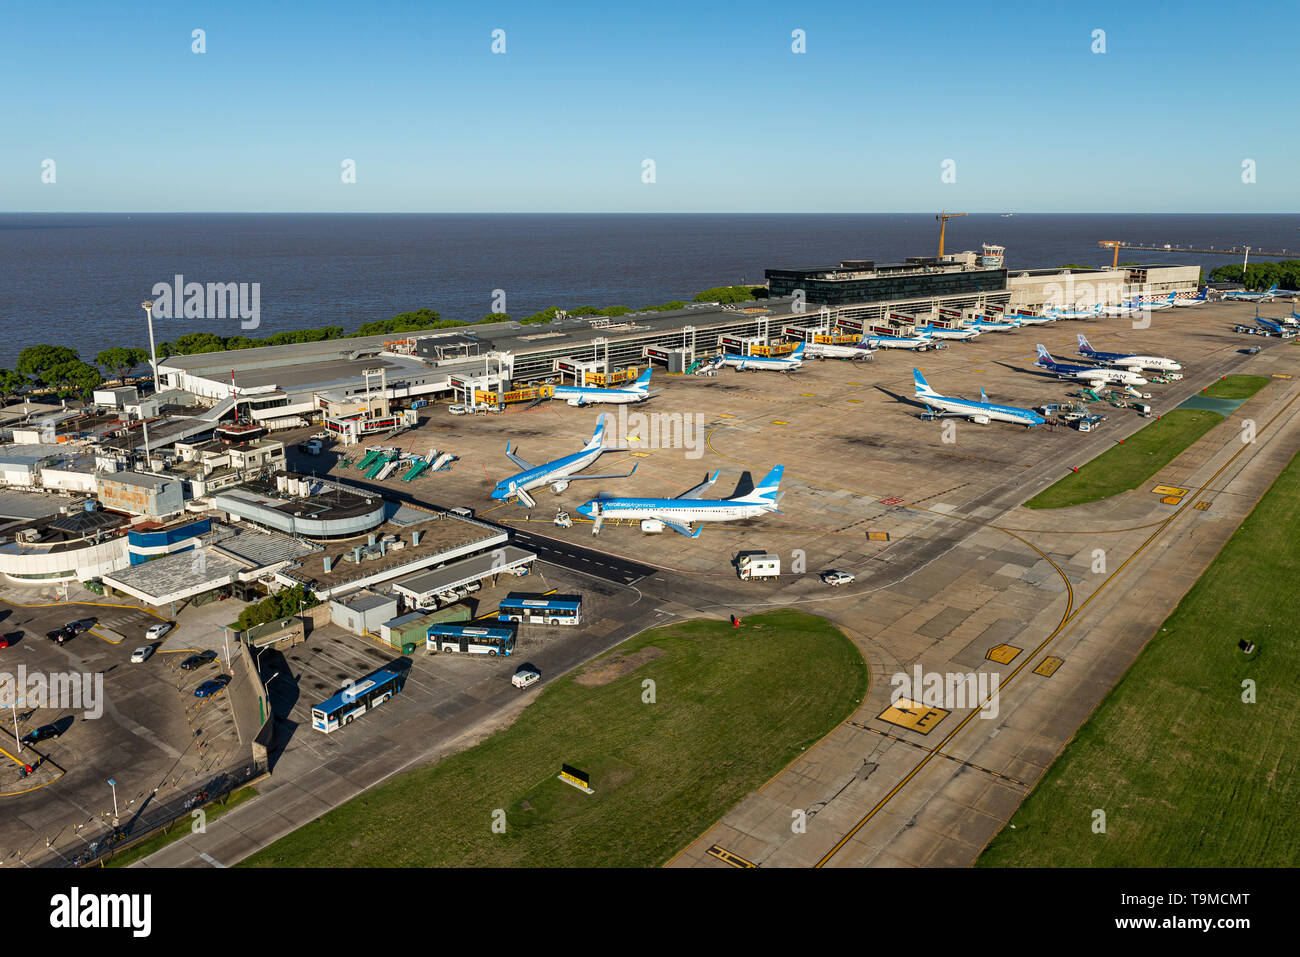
(638, 391)
(680, 513)
(558, 474)
(982, 412)
(1093, 375)
(1123, 360)
(766, 363)
(1268, 295)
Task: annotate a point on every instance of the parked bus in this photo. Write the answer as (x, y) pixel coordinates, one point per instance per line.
(541, 609)
(355, 700)
(470, 639)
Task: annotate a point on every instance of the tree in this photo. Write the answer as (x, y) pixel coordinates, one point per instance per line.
(72, 378)
(12, 384)
(282, 604)
(120, 360)
(35, 360)
(725, 294)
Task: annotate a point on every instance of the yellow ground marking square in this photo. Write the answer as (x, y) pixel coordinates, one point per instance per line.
(1169, 490)
(977, 371)
(1202, 506)
(725, 415)
(809, 395)
(877, 536)
(912, 716)
(1003, 654)
(1280, 375)
(735, 860)
(1047, 667)
(780, 422)
(1172, 499)
(855, 383)
(640, 455)
(859, 401)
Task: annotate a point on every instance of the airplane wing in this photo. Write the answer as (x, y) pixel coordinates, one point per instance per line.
(682, 529)
(598, 475)
(522, 463)
(700, 489)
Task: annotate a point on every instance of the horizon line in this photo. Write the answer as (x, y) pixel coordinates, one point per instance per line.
(560, 212)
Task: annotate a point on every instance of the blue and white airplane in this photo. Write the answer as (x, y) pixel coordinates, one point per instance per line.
(1135, 307)
(948, 332)
(638, 391)
(558, 473)
(983, 324)
(1268, 295)
(1125, 360)
(1277, 327)
(919, 342)
(1200, 297)
(1030, 319)
(681, 512)
(982, 412)
(834, 350)
(1053, 313)
(1093, 375)
(766, 363)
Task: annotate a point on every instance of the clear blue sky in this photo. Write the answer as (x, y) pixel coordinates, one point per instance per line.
(734, 121)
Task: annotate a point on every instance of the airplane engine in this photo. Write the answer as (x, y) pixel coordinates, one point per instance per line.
(558, 487)
(980, 419)
(651, 525)
(574, 402)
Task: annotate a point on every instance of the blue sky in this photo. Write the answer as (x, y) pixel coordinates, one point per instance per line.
(585, 92)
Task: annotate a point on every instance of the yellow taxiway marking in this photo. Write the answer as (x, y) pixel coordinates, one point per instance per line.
(1169, 490)
(877, 536)
(1003, 654)
(1172, 499)
(780, 422)
(1202, 506)
(1280, 375)
(725, 415)
(913, 716)
(808, 395)
(641, 455)
(1047, 667)
(735, 860)
(855, 400)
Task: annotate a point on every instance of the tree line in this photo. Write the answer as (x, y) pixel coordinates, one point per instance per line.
(1261, 275)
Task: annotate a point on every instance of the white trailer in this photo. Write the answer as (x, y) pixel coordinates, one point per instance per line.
(754, 566)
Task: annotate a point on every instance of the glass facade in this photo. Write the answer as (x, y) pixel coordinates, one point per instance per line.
(918, 285)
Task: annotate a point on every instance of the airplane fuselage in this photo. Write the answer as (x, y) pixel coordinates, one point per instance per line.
(547, 473)
(972, 409)
(676, 510)
(583, 395)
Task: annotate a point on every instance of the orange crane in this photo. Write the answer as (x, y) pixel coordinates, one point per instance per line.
(943, 225)
(1115, 243)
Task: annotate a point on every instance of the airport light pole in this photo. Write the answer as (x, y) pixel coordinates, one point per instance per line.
(113, 785)
(147, 306)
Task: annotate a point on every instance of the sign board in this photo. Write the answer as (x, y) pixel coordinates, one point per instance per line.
(579, 779)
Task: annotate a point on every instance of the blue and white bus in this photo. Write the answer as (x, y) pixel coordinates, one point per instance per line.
(355, 700)
(470, 639)
(541, 609)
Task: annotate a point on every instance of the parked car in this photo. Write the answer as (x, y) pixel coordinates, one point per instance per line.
(834, 577)
(80, 625)
(141, 654)
(42, 733)
(458, 409)
(212, 687)
(525, 677)
(198, 660)
(158, 630)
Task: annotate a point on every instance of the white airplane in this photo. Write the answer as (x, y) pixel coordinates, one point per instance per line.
(831, 350)
(981, 412)
(638, 391)
(981, 324)
(1053, 313)
(1093, 375)
(948, 332)
(558, 473)
(920, 342)
(1196, 300)
(679, 513)
(766, 363)
(1268, 295)
(1134, 307)
(1126, 360)
(1029, 319)
(1157, 303)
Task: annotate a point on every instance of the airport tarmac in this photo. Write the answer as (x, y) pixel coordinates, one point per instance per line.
(926, 515)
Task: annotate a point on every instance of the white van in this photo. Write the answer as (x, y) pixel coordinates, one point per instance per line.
(525, 677)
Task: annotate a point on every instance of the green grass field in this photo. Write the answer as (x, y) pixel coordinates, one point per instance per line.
(1187, 773)
(732, 708)
(1237, 387)
(1127, 466)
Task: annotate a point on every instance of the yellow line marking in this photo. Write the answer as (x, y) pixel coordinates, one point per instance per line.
(779, 422)
(1172, 499)
(1169, 490)
(735, 860)
(1202, 506)
(1003, 654)
(913, 716)
(1047, 667)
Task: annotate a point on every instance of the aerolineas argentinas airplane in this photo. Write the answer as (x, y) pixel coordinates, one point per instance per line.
(1196, 300)
(680, 513)
(1125, 360)
(1093, 375)
(948, 332)
(1268, 295)
(918, 342)
(638, 391)
(981, 412)
(831, 350)
(766, 363)
(1135, 307)
(558, 474)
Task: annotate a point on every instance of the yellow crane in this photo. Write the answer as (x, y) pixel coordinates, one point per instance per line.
(943, 225)
(1115, 243)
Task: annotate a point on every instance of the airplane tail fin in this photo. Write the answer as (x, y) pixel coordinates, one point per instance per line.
(798, 351)
(922, 387)
(1084, 347)
(1273, 288)
(1045, 357)
(597, 437)
(768, 489)
(642, 383)
(983, 396)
